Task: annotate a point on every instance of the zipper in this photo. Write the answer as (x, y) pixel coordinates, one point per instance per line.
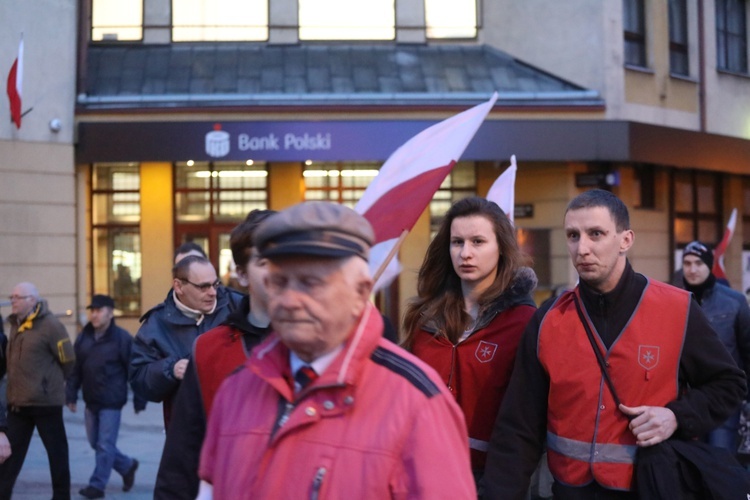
(317, 483)
(451, 389)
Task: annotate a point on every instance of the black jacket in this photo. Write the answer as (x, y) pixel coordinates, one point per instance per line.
(178, 471)
(102, 369)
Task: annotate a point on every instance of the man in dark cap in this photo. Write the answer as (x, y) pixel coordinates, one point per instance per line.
(102, 360)
(325, 405)
(729, 314)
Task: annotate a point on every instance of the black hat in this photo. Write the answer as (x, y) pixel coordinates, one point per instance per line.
(700, 250)
(317, 228)
(98, 301)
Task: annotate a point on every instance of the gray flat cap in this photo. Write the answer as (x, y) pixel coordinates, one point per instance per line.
(318, 228)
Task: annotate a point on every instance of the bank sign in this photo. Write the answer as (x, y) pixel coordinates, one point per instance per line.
(240, 141)
(339, 140)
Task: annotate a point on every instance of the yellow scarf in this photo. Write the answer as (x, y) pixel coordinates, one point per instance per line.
(28, 322)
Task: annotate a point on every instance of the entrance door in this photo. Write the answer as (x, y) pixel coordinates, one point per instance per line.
(214, 239)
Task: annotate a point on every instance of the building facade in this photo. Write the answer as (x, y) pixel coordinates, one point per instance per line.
(189, 113)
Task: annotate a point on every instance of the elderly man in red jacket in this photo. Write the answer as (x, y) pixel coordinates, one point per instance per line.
(325, 407)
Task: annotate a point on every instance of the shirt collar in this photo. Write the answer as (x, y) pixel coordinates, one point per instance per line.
(319, 364)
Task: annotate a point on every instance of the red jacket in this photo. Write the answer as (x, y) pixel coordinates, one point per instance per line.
(477, 371)
(378, 423)
(587, 435)
(217, 353)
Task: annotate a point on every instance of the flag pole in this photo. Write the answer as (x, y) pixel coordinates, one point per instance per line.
(390, 256)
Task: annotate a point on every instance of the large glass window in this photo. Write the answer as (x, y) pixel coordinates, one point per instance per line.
(697, 212)
(116, 243)
(219, 192)
(451, 18)
(678, 38)
(460, 183)
(731, 35)
(219, 20)
(338, 182)
(113, 20)
(634, 26)
(347, 20)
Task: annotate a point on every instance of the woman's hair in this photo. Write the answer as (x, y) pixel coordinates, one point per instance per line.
(439, 297)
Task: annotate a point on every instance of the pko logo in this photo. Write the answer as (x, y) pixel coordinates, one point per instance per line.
(217, 142)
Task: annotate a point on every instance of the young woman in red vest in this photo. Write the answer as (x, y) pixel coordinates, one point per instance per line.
(472, 306)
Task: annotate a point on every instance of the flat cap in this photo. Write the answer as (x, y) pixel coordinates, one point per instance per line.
(98, 301)
(317, 228)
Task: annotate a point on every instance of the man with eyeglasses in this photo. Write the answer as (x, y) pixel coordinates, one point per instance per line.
(196, 303)
(729, 314)
(39, 356)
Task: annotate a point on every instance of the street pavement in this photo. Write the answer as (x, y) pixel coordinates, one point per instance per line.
(141, 437)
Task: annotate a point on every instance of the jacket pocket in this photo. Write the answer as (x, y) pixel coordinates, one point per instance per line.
(321, 476)
(317, 483)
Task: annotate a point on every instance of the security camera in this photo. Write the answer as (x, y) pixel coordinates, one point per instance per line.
(55, 125)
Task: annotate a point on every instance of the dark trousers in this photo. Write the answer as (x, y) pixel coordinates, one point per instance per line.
(48, 421)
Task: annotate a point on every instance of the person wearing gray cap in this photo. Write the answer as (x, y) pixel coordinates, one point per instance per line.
(102, 359)
(325, 406)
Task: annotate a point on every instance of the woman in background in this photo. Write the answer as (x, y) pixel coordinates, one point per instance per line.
(473, 303)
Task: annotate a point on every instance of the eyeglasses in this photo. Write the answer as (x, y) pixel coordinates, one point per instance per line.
(18, 297)
(203, 287)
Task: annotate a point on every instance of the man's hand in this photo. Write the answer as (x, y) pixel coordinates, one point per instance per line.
(71, 407)
(651, 425)
(4, 447)
(179, 369)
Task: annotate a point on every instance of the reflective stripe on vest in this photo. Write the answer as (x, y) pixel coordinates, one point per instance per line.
(643, 363)
(588, 452)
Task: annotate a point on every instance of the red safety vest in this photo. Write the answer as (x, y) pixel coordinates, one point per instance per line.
(587, 436)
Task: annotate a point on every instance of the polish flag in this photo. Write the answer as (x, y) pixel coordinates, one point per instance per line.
(408, 180)
(15, 81)
(718, 269)
(503, 189)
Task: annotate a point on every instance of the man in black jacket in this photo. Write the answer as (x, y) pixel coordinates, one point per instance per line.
(670, 370)
(102, 360)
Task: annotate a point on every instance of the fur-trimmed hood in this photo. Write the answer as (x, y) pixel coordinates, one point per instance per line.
(518, 293)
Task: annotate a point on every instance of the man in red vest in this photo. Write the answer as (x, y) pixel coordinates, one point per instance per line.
(668, 367)
(215, 355)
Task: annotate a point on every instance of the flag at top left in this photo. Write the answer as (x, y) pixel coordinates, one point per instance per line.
(15, 81)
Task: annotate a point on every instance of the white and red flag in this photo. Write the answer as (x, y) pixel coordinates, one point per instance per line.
(15, 81)
(503, 189)
(718, 269)
(408, 180)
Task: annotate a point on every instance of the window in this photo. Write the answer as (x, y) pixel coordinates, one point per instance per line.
(113, 20)
(697, 213)
(451, 19)
(678, 38)
(634, 32)
(219, 20)
(460, 183)
(347, 20)
(338, 182)
(219, 192)
(731, 35)
(746, 213)
(116, 243)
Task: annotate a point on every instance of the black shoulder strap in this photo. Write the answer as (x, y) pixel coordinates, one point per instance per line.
(599, 357)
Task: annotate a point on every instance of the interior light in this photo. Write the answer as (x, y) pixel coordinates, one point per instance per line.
(190, 163)
(308, 162)
(249, 162)
(314, 173)
(359, 173)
